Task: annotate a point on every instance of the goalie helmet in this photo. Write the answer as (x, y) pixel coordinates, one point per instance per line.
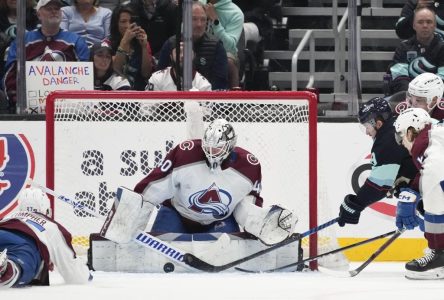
(416, 118)
(218, 141)
(374, 109)
(34, 200)
(428, 86)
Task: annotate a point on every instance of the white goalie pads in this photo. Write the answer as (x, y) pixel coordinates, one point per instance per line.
(271, 225)
(128, 214)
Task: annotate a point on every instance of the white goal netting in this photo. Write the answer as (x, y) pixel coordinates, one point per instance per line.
(99, 141)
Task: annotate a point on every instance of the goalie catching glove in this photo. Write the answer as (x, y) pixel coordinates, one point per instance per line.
(270, 225)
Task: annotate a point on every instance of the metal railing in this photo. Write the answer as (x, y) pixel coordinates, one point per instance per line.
(308, 37)
(340, 53)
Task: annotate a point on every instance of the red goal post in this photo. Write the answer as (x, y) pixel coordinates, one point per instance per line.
(97, 141)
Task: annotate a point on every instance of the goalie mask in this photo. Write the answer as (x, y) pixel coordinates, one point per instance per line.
(416, 118)
(426, 87)
(34, 200)
(218, 141)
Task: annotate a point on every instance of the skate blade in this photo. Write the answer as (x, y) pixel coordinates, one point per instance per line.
(435, 274)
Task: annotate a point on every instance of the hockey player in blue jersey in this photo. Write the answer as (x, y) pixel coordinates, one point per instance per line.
(31, 244)
(391, 164)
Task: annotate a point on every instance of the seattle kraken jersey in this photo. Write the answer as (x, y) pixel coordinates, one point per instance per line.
(197, 192)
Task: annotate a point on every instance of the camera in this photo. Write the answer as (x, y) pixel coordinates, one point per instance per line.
(136, 20)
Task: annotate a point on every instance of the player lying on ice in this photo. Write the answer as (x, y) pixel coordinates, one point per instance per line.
(202, 186)
(31, 244)
(423, 137)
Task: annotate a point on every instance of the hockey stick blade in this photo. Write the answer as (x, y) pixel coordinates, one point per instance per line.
(353, 273)
(199, 264)
(323, 254)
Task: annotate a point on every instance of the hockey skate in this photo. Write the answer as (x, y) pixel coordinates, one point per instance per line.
(428, 267)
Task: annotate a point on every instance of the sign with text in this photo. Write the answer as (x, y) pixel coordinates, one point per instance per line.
(43, 77)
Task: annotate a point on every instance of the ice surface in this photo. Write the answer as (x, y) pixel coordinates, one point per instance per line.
(378, 281)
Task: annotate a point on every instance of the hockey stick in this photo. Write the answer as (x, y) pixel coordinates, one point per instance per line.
(142, 238)
(353, 273)
(323, 254)
(199, 264)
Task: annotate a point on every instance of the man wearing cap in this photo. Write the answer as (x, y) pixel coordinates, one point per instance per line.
(47, 43)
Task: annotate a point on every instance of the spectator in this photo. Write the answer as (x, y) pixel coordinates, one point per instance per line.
(105, 78)
(404, 25)
(133, 57)
(8, 17)
(8, 27)
(260, 14)
(210, 55)
(87, 19)
(422, 53)
(226, 23)
(158, 18)
(166, 79)
(48, 43)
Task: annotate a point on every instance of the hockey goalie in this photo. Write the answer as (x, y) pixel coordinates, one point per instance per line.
(204, 187)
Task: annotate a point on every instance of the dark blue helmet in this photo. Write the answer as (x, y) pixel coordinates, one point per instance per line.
(374, 109)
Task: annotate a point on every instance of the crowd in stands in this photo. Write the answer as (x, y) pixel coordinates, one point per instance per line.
(129, 41)
(139, 35)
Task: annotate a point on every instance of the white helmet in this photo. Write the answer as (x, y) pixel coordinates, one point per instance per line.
(218, 141)
(416, 118)
(427, 85)
(34, 200)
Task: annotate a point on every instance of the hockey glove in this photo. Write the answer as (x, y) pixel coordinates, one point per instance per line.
(406, 209)
(399, 184)
(349, 211)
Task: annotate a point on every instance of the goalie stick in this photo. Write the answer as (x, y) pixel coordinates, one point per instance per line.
(353, 273)
(142, 238)
(199, 264)
(323, 254)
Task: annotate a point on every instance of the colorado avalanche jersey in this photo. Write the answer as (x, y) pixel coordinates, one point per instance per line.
(197, 192)
(53, 242)
(64, 46)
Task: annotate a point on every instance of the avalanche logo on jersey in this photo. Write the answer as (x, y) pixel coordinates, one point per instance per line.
(212, 201)
(17, 164)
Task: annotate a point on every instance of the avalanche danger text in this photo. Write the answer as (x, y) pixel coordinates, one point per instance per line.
(58, 75)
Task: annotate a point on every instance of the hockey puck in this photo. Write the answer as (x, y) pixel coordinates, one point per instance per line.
(168, 267)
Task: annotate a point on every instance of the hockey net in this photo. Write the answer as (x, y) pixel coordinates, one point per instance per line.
(97, 141)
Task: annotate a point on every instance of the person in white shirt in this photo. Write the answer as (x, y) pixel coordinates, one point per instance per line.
(166, 79)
